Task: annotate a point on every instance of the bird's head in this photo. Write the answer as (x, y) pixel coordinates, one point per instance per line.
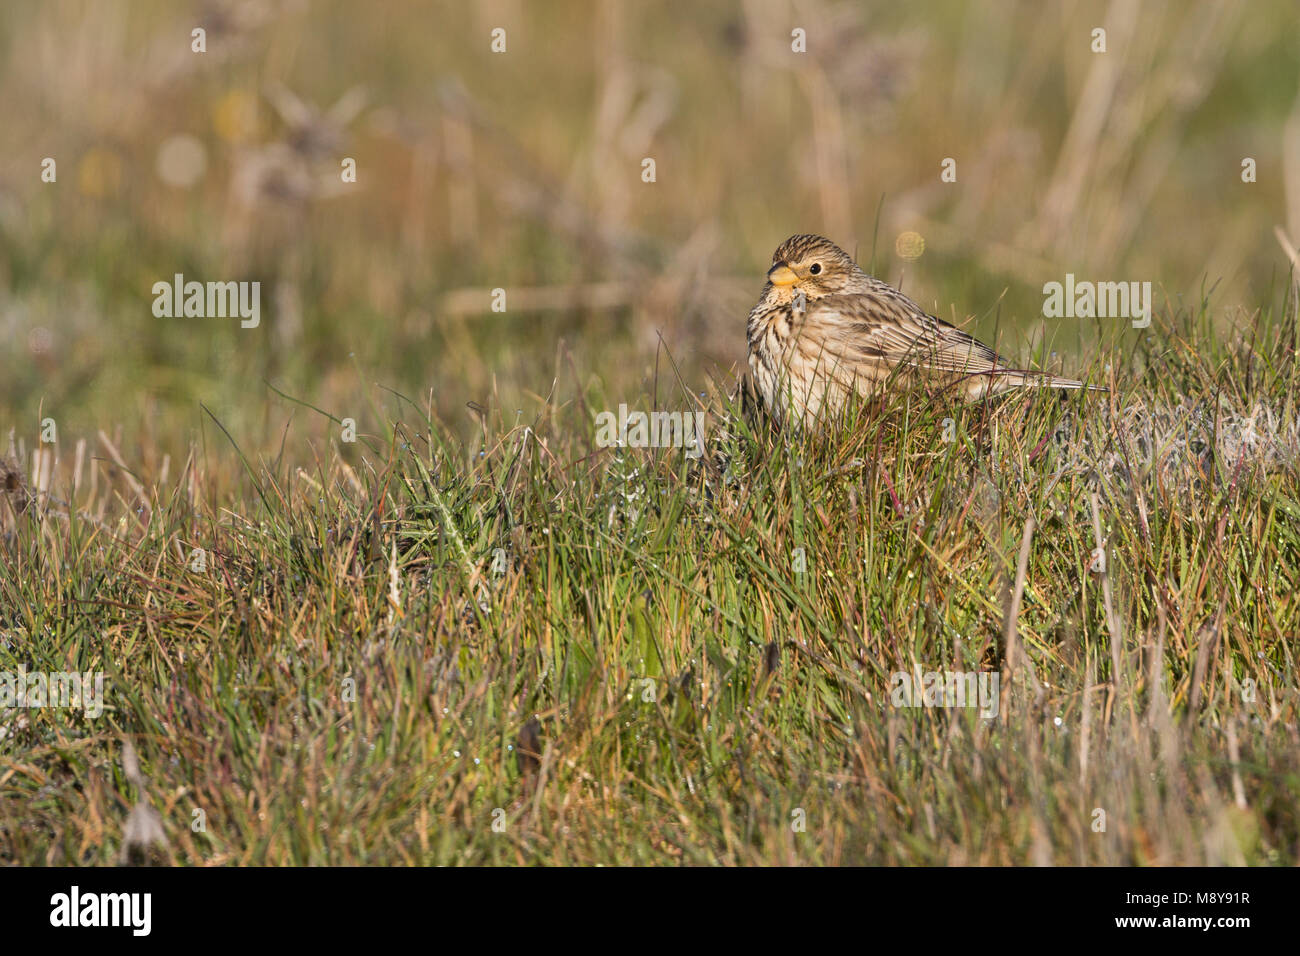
(812, 265)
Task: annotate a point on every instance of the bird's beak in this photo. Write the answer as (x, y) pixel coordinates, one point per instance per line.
(781, 274)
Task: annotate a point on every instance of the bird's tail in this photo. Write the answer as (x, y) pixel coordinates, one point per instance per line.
(1004, 380)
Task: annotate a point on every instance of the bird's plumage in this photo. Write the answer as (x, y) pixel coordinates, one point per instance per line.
(824, 329)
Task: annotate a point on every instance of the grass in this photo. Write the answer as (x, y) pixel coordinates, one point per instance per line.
(527, 649)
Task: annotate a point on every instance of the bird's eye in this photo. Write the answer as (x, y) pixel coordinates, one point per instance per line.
(816, 268)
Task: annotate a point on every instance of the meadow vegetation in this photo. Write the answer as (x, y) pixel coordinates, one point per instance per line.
(473, 635)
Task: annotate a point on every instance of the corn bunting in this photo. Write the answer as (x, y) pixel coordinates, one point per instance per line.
(824, 329)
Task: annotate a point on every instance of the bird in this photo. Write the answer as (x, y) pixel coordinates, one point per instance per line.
(824, 329)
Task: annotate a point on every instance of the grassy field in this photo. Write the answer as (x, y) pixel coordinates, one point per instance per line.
(473, 635)
(528, 649)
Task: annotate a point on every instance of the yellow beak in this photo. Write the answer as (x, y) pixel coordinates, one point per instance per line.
(782, 274)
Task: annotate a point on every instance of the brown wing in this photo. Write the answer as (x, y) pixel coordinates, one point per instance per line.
(885, 326)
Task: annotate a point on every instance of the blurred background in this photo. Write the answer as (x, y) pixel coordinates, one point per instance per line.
(524, 170)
